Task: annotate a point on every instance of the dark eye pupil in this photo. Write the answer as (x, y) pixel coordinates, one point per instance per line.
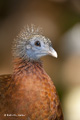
(37, 43)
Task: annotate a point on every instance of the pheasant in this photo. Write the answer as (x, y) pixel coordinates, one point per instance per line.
(29, 93)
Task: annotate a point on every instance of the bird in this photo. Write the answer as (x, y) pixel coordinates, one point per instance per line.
(29, 93)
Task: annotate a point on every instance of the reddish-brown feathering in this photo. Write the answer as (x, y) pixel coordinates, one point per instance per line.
(30, 92)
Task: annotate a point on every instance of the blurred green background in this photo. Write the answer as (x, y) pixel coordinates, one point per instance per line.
(60, 20)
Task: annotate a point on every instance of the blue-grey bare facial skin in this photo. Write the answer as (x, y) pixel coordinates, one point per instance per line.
(31, 45)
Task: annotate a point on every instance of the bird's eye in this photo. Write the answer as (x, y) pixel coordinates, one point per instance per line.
(37, 43)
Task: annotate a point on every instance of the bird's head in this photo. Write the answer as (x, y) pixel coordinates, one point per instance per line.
(32, 45)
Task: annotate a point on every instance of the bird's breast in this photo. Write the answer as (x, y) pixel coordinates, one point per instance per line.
(33, 93)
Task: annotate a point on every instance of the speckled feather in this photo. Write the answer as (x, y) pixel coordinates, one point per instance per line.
(29, 92)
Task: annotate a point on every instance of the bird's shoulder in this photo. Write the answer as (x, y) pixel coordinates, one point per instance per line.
(5, 78)
(5, 82)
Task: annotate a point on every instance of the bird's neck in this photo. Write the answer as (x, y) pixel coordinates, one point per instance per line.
(25, 71)
(21, 65)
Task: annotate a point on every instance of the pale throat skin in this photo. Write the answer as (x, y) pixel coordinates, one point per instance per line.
(35, 47)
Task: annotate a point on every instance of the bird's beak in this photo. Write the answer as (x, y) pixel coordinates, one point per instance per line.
(52, 52)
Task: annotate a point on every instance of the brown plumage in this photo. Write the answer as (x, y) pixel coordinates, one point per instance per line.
(29, 93)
